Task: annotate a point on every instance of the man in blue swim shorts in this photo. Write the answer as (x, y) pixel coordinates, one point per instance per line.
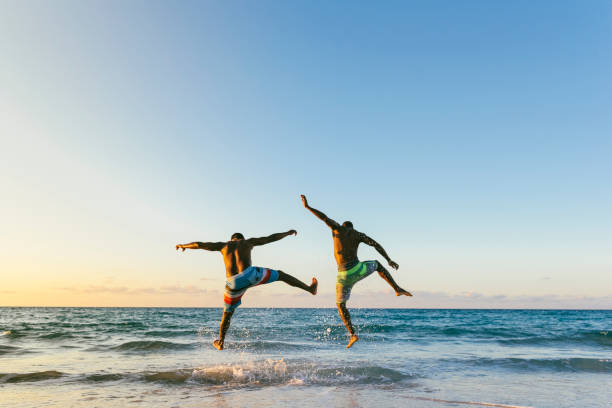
(350, 270)
(241, 275)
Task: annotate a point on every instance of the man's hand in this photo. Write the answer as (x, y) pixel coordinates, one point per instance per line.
(393, 265)
(304, 201)
(292, 232)
(181, 247)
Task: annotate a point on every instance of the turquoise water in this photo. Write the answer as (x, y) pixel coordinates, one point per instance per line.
(416, 358)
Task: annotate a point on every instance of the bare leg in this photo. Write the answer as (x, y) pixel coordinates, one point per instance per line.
(225, 322)
(387, 276)
(346, 318)
(290, 280)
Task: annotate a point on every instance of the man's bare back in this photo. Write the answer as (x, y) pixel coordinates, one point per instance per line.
(236, 256)
(346, 242)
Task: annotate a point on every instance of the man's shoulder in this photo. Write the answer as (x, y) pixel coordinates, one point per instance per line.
(360, 235)
(338, 230)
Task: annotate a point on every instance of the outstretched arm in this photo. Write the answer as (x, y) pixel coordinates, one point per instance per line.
(270, 238)
(369, 241)
(209, 246)
(330, 223)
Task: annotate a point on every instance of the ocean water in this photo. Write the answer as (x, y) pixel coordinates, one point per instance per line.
(150, 357)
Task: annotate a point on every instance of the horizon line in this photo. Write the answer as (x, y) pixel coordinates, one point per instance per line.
(332, 308)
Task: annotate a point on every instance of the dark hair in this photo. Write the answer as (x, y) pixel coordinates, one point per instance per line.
(347, 224)
(237, 235)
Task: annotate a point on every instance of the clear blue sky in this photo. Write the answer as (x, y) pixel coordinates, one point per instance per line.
(472, 139)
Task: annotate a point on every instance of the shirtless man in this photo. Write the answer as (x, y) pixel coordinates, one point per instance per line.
(241, 275)
(350, 270)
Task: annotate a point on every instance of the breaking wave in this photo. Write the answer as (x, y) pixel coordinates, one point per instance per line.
(257, 373)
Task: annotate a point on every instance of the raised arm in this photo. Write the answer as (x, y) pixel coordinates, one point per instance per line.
(369, 241)
(270, 238)
(209, 246)
(330, 223)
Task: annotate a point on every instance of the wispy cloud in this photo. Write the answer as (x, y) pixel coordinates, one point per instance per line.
(7, 292)
(160, 290)
(425, 299)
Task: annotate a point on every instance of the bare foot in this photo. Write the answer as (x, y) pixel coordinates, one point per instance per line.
(314, 286)
(352, 341)
(218, 345)
(402, 292)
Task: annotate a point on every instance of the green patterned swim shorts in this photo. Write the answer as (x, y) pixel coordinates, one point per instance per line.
(346, 279)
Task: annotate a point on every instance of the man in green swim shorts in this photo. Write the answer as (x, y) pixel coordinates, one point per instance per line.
(350, 270)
